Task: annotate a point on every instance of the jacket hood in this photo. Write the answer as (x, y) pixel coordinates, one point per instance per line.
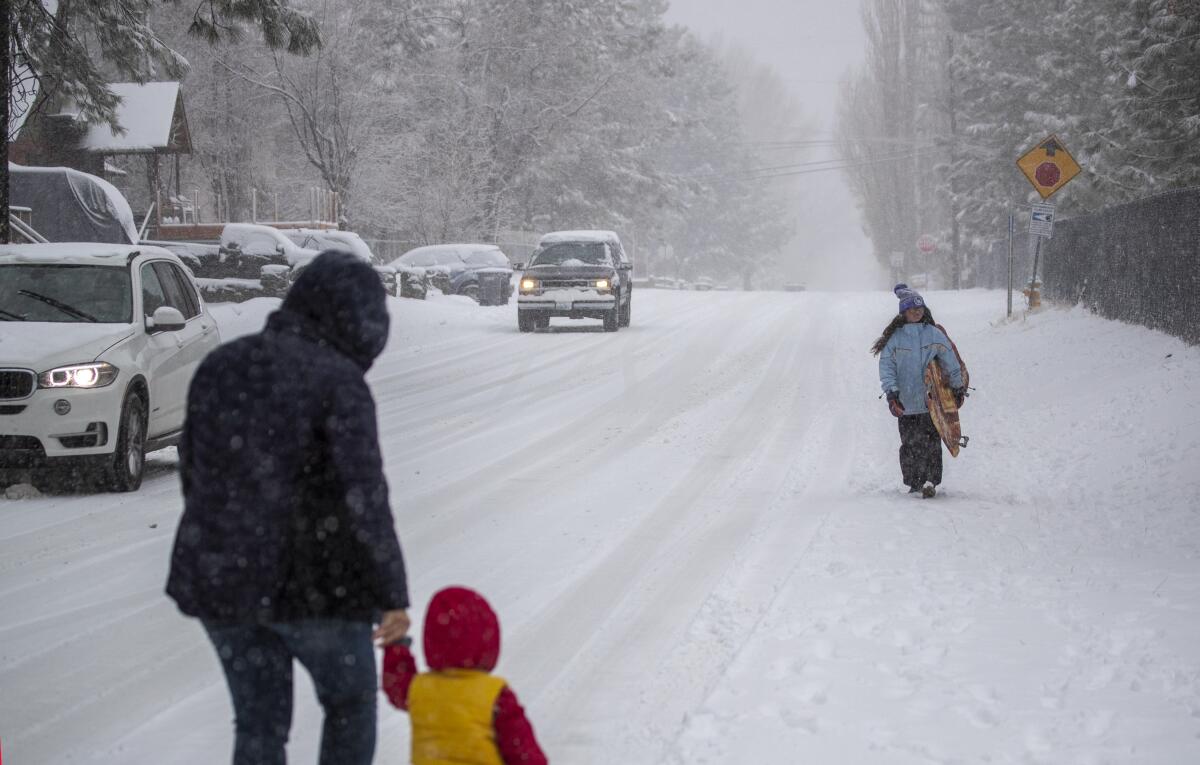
(341, 299)
(461, 631)
(42, 345)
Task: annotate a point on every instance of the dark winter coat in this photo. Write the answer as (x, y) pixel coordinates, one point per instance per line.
(286, 512)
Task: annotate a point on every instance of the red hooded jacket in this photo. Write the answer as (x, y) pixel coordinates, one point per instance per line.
(462, 632)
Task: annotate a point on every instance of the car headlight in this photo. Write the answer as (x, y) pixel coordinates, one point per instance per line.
(602, 284)
(95, 375)
(528, 285)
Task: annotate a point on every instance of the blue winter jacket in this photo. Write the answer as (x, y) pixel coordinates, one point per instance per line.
(903, 360)
(286, 513)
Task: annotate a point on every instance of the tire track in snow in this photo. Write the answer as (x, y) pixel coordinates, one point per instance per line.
(568, 439)
(421, 388)
(536, 369)
(669, 575)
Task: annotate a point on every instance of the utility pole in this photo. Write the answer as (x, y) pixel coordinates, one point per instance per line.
(6, 87)
(952, 107)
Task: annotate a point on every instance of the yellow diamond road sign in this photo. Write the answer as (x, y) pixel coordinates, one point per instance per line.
(1048, 166)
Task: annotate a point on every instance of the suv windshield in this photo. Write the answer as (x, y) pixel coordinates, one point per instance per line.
(571, 254)
(65, 293)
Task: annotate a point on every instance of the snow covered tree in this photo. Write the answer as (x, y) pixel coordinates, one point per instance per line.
(69, 46)
(1155, 135)
(895, 134)
(1119, 82)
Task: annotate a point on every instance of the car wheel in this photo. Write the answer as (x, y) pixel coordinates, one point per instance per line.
(542, 322)
(525, 322)
(627, 313)
(612, 319)
(471, 291)
(124, 472)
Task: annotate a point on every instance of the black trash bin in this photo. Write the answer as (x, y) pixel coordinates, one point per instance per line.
(492, 287)
(413, 284)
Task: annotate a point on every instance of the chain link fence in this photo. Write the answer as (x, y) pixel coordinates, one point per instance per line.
(1137, 262)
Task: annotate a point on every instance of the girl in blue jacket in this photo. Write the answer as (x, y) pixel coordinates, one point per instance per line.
(905, 348)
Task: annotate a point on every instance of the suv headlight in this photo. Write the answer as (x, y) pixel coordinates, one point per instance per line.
(95, 375)
(528, 285)
(603, 284)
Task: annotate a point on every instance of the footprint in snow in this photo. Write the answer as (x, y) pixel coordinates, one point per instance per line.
(797, 720)
(837, 568)
(1100, 723)
(980, 717)
(933, 655)
(870, 627)
(823, 649)
(1054, 694)
(812, 693)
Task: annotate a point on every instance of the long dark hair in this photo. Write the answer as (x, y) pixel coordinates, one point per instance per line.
(896, 324)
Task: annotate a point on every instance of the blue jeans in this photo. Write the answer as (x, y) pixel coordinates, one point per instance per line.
(257, 659)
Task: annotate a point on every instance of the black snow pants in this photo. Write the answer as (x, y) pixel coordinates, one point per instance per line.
(920, 450)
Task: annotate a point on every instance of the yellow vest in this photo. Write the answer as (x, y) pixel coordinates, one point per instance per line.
(451, 714)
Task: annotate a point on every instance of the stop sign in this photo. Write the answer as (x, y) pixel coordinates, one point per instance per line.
(926, 244)
(1047, 174)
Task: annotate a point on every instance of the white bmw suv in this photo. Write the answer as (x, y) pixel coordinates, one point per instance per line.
(98, 343)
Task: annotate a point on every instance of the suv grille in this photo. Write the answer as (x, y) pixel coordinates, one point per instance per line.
(557, 284)
(16, 383)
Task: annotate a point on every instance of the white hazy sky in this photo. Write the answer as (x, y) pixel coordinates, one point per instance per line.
(811, 44)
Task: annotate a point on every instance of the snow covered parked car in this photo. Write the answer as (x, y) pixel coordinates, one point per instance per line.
(246, 248)
(100, 342)
(326, 239)
(456, 269)
(579, 275)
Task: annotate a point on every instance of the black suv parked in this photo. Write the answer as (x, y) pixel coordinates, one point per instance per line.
(578, 275)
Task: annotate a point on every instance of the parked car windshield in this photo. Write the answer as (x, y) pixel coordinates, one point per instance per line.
(432, 255)
(65, 293)
(570, 253)
(487, 258)
(355, 245)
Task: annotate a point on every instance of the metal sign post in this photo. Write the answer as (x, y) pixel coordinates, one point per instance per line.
(1048, 167)
(1012, 224)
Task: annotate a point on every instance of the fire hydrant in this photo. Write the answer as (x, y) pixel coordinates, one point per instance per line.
(1033, 294)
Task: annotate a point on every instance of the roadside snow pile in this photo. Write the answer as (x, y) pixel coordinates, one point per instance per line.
(22, 491)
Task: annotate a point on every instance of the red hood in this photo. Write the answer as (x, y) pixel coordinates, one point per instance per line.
(461, 631)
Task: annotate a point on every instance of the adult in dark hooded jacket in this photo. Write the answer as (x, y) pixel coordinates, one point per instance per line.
(287, 547)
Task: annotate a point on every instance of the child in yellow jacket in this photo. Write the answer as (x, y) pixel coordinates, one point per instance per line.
(460, 712)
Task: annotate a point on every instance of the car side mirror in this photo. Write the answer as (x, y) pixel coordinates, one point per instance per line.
(165, 319)
(519, 265)
(625, 266)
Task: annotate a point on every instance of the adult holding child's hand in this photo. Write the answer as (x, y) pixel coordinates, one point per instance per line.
(392, 627)
(287, 547)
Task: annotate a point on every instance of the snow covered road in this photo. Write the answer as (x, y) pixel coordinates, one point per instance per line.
(694, 534)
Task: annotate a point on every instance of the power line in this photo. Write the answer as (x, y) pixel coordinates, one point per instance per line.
(841, 166)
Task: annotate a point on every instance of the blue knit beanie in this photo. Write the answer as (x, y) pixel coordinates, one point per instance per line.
(909, 298)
